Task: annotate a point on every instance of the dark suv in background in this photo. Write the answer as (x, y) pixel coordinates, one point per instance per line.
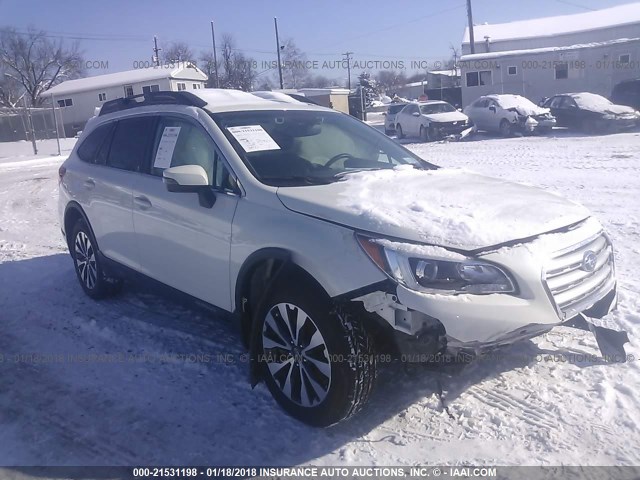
(627, 93)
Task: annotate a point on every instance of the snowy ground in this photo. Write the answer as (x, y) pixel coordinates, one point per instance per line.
(135, 405)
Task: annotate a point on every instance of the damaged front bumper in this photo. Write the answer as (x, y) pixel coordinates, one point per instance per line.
(554, 290)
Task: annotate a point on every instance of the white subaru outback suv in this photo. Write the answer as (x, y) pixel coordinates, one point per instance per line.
(330, 243)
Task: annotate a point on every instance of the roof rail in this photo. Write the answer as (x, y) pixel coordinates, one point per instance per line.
(152, 98)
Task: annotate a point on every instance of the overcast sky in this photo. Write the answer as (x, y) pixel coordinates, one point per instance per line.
(398, 32)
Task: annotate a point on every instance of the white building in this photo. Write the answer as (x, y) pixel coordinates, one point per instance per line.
(79, 98)
(590, 51)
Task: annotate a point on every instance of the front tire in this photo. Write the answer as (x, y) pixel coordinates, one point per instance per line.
(88, 264)
(505, 128)
(318, 364)
(399, 132)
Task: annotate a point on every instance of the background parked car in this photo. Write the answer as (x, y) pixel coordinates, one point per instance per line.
(590, 113)
(508, 114)
(390, 117)
(431, 120)
(627, 93)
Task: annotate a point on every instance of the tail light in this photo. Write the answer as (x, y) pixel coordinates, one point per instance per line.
(61, 171)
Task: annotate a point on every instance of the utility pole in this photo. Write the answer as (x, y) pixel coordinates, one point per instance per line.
(156, 57)
(348, 55)
(275, 21)
(470, 19)
(215, 56)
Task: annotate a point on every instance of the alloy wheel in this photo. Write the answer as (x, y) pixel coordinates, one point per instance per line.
(296, 355)
(85, 260)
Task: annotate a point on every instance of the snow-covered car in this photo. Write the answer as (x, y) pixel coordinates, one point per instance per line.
(591, 113)
(431, 120)
(390, 117)
(329, 243)
(509, 114)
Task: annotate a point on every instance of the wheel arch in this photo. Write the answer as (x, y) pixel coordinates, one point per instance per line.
(72, 213)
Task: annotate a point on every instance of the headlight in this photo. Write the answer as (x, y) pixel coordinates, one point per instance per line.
(426, 271)
(609, 116)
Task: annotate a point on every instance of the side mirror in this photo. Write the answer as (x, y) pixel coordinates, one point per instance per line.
(416, 114)
(492, 108)
(190, 179)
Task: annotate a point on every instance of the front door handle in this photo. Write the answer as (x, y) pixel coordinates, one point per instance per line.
(142, 202)
(89, 184)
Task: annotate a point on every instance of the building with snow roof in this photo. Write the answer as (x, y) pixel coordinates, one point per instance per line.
(78, 99)
(589, 51)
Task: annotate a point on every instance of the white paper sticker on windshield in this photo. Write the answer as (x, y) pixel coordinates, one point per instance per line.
(253, 138)
(166, 147)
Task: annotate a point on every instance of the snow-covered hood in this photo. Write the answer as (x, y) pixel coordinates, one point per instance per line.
(444, 207)
(528, 110)
(445, 116)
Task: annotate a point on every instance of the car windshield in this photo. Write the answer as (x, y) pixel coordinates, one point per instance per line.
(430, 108)
(296, 147)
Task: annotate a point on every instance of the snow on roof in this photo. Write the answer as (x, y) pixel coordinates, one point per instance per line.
(221, 100)
(550, 26)
(449, 73)
(507, 53)
(275, 96)
(125, 78)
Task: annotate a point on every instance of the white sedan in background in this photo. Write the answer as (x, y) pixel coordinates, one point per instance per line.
(430, 120)
(508, 114)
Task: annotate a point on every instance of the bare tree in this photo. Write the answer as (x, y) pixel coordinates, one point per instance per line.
(207, 65)
(294, 72)
(178, 52)
(10, 89)
(238, 69)
(318, 81)
(388, 80)
(33, 63)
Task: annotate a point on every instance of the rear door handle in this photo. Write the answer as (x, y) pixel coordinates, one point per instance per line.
(89, 184)
(142, 202)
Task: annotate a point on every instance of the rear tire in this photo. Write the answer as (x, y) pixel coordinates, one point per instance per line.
(88, 263)
(399, 132)
(318, 364)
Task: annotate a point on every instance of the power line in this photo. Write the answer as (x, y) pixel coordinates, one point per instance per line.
(397, 25)
(566, 2)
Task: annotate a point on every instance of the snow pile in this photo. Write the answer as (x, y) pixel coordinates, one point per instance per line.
(457, 208)
(428, 251)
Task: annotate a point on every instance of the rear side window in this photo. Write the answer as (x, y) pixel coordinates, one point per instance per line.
(131, 142)
(88, 151)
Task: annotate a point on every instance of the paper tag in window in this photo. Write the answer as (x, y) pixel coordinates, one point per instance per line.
(253, 138)
(166, 146)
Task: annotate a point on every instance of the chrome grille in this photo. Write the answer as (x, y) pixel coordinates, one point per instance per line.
(575, 287)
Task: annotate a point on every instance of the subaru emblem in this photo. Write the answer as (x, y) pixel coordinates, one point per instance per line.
(589, 260)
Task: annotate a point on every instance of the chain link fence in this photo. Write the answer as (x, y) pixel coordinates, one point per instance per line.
(34, 125)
